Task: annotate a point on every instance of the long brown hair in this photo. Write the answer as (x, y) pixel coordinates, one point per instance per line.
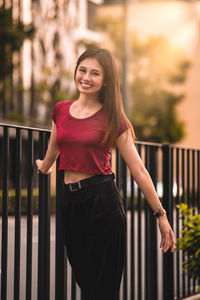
(109, 94)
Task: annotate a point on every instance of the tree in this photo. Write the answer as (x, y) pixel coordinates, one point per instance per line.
(157, 72)
(159, 69)
(12, 35)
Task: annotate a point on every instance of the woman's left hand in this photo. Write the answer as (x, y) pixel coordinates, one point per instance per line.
(39, 164)
(167, 235)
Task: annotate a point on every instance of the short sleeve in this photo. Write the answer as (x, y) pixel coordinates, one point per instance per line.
(123, 125)
(55, 111)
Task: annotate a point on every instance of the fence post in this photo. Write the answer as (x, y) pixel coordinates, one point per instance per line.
(168, 274)
(124, 190)
(151, 247)
(44, 227)
(4, 235)
(61, 261)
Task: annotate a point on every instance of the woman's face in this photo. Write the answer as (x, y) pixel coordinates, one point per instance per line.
(89, 76)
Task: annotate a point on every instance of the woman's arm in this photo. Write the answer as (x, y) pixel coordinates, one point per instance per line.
(44, 166)
(128, 151)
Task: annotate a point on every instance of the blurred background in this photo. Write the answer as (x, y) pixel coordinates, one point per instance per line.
(156, 45)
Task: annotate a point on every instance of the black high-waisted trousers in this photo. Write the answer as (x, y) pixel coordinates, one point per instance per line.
(94, 230)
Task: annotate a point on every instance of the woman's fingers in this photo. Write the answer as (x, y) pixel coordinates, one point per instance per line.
(168, 241)
(173, 241)
(39, 163)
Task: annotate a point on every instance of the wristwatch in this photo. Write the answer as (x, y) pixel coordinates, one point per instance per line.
(160, 212)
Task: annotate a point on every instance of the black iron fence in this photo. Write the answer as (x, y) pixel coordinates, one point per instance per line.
(33, 260)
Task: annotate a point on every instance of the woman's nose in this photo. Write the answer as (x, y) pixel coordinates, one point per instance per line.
(87, 75)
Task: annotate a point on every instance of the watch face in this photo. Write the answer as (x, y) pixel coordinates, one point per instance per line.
(160, 212)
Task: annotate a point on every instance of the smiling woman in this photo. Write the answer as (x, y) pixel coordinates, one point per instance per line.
(83, 132)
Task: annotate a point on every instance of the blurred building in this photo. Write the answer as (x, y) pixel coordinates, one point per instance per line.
(45, 64)
(63, 28)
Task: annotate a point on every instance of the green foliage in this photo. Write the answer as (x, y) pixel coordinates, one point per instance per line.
(157, 69)
(154, 115)
(114, 29)
(189, 242)
(12, 35)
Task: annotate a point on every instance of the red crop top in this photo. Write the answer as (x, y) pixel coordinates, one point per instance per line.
(79, 140)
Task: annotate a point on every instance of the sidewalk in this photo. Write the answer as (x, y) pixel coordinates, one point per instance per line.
(195, 297)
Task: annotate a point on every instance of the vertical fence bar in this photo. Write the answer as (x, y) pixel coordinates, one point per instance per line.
(183, 200)
(189, 205)
(18, 161)
(198, 181)
(40, 224)
(193, 179)
(29, 216)
(4, 242)
(188, 178)
(171, 205)
(61, 260)
(198, 187)
(124, 190)
(193, 205)
(153, 232)
(177, 220)
(132, 258)
(147, 235)
(139, 266)
(44, 226)
(168, 281)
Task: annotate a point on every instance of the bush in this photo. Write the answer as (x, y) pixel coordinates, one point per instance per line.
(189, 242)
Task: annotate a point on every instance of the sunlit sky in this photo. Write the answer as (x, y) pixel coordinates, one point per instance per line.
(178, 21)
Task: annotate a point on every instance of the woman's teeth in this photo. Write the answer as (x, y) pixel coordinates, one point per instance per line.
(86, 84)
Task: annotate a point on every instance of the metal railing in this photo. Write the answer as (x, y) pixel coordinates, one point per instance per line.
(148, 274)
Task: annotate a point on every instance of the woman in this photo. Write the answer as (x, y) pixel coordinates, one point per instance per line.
(83, 132)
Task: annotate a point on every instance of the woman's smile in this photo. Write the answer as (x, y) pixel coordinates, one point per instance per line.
(86, 84)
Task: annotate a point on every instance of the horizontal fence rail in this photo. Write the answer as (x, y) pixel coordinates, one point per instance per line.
(33, 260)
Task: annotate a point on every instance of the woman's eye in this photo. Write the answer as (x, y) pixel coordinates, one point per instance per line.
(82, 70)
(96, 74)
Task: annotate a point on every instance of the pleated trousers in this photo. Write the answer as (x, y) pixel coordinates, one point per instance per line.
(94, 234)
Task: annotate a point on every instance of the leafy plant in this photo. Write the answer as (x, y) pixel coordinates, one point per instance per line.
(189, 241)
(157, 71)
(12, 36)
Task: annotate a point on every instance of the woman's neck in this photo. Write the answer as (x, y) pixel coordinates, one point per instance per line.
(88, 101)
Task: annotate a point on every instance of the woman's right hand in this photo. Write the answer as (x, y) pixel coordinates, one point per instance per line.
(39, 164)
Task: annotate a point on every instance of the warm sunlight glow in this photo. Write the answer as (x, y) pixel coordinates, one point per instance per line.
(175, 20)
